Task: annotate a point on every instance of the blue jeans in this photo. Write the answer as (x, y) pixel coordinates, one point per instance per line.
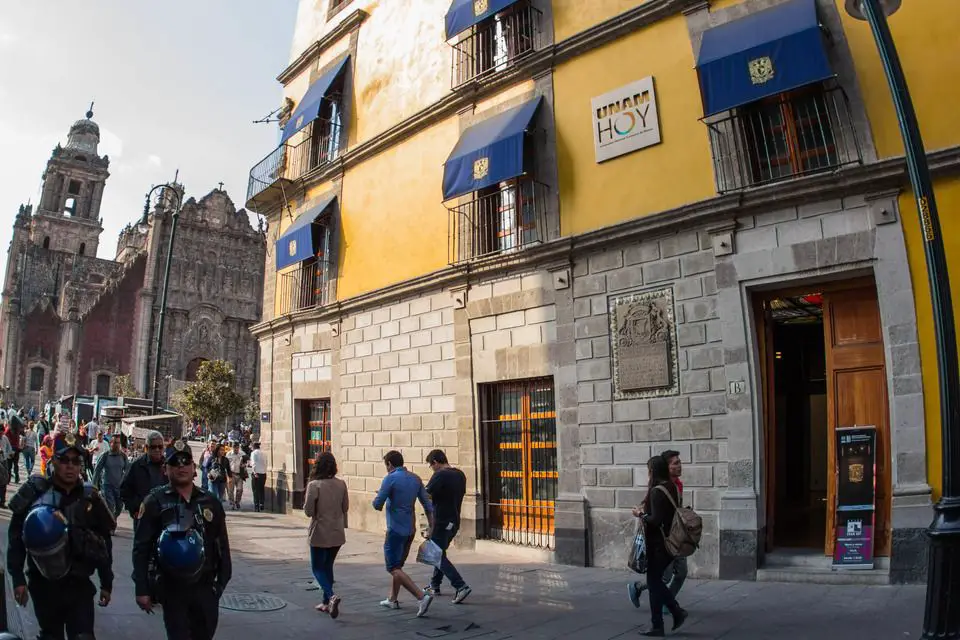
(217, 489)
(111, 496)
(321, 564)
(443, 538)
(29, 455)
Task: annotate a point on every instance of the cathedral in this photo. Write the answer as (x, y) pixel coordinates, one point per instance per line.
(71, 321)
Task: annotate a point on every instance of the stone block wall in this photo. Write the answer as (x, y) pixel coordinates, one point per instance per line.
(397, 391)
(617, 437)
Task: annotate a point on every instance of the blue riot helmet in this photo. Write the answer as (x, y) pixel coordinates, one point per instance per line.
(45, 535)
(180, 551)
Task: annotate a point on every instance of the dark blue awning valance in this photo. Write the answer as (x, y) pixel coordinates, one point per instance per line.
(309, 108)
(463, 14)
(488, 152)
(299, 242)
(760, 55)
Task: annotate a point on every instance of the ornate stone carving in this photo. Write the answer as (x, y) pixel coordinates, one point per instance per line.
(644, 345)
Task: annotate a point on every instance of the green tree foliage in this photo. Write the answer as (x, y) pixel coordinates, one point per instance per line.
(123, 387)
(213, 397)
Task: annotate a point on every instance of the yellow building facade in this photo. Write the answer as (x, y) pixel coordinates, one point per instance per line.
(556, 238)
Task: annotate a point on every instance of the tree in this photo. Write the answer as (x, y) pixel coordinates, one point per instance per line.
(123, 387)
(251, 412)
(213, 397)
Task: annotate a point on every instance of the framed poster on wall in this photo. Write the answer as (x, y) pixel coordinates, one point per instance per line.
(856, 497)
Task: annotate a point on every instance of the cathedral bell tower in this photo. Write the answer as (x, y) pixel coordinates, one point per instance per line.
(68, 217)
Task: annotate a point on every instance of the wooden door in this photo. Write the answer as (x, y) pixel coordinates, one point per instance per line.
(857, 395)
(316, 432)
(764, 320)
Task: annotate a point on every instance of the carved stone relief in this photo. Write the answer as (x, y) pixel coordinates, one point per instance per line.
(644, 345)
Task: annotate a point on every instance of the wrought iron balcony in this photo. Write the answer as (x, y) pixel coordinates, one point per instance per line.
(498, 220)
(787, 136)
(496, 43)
(305, 287)
(286, 164)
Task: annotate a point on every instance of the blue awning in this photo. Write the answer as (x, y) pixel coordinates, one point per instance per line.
(488, 152)
(760, 55)
(462, 14)
(309, 108)
(297, 242)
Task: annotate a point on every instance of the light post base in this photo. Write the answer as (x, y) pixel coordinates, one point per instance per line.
(941, 618)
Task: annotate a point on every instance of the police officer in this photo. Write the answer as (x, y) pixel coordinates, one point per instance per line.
(62, 529)
(181, 555)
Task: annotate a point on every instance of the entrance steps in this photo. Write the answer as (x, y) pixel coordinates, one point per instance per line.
(805, 566)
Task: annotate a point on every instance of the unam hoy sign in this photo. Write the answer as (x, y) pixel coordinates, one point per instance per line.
(625, 120)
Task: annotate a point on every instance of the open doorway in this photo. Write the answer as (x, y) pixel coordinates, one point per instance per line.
(822, 368)
(800, 424)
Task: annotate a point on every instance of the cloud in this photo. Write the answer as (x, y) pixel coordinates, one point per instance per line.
(154, 160)
(8, 39)
(110, 144)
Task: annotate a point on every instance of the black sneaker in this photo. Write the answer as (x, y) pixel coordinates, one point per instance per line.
(679, 617)
(434, 591)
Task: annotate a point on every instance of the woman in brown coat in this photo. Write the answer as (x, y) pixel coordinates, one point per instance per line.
(326, 504)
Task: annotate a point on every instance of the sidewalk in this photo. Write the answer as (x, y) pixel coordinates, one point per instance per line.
(511, 599)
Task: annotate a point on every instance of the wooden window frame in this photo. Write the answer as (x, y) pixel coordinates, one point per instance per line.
(316, 415)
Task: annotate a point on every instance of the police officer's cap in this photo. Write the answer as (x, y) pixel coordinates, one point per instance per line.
(179, 454)
(66, 443)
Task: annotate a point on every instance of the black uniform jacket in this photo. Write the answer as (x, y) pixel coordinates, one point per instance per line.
(218, 568)
(95, 516)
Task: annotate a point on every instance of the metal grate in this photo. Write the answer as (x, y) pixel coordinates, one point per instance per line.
(317, 431)
(496, 42)
(519, 432)
(790, 135)
(306, 287)
(336, 6)
(503, 218)
(291, 162)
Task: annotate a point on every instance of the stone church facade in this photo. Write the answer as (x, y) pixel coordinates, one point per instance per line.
(71, 322)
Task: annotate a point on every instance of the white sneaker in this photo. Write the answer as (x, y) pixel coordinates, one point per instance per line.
(462, 594)
(424, 605)
(389, 604)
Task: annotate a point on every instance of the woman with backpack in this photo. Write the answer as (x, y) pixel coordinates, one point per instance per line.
(656, 512)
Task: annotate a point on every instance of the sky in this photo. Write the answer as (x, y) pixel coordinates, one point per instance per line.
(177, 85)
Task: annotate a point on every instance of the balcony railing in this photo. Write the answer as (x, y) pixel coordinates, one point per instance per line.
(791, 135)
(499, 220)
(496, 42)
(305, 287)
(291, 162)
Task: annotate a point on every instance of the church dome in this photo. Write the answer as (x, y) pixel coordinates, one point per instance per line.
(84, 134)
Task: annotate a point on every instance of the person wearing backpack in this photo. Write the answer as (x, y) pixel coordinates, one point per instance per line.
(657, 514)
(676, 574)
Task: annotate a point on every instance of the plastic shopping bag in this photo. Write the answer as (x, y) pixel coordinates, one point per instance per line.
(430, 553)
(637, 560)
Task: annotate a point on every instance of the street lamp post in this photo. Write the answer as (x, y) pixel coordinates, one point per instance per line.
(942, 612)
(166, 281)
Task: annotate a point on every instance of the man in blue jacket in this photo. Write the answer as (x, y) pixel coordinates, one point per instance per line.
(400, 492)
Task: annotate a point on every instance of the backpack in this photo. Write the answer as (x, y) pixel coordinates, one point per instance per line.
(685, 530)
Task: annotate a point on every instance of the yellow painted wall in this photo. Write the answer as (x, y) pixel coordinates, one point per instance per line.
(925, 33)
(677, 171)
(948, 202)
(573, 16)
(394, 226)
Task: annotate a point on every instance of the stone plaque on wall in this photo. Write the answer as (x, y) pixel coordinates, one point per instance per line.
(644, 345)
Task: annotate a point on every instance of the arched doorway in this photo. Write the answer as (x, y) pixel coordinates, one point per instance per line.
(192, 367)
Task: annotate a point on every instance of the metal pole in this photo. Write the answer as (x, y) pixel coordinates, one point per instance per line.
(942, 611)
(163, 295)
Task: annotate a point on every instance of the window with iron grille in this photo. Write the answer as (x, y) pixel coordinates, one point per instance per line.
(785, 136)
(519, 433)
(495, 43)
(316, 431)
(308, 284)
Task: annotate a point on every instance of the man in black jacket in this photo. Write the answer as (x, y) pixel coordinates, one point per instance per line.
(145, 473)
(59, 580)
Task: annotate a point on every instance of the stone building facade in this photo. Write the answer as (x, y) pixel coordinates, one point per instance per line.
(675, 297)
(72, 322)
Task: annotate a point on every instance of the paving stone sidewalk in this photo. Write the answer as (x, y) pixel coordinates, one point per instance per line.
(512, 598)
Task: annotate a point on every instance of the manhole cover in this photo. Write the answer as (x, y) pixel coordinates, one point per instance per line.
(251, 602)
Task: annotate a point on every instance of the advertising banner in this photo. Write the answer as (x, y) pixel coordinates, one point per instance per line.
(856, 494)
